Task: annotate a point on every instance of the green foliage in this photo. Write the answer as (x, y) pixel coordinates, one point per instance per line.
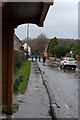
(61, 51)
(14, 108)
(58, 51)
(67, 48)
(22, 87)
(18, 60)
(15, 88)
(17, 83)
(4, 108)
(51, 46)
(27, 53)
(76, 49)
(38, 44)
(21, 78)
(37, 53)
(71, 45)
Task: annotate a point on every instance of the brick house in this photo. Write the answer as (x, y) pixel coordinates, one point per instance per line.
(17, 43)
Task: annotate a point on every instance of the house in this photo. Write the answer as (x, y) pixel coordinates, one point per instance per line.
(26, 46)
(17, 43)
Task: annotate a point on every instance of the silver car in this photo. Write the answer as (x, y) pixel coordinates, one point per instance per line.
(68, 62)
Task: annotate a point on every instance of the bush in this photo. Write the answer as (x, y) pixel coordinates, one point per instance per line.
(21, 78)
(76, 50)
(16, 84)
(18, 60)
(61, 51)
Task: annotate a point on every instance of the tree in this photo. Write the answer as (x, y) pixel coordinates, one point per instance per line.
(38, 44)
(61, 51)
(76, 49)
(51, 46)
(67, 48)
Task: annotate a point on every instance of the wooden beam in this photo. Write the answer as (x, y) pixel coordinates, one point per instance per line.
(45, 9)
(48, 2)
(44, 12)
(2, 3)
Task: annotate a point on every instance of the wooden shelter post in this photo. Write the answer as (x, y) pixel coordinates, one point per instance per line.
(7, 65)
(10, 70)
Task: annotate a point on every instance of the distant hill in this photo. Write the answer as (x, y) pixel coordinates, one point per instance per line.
(62, 41)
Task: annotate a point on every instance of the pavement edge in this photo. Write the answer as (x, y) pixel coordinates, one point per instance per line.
(53, 104)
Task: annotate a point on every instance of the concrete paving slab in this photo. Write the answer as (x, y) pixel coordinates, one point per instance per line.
(35, 102)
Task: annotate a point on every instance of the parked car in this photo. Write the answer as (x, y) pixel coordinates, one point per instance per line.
(68, 62)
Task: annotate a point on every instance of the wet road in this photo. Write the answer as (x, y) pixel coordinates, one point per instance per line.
(64, 86)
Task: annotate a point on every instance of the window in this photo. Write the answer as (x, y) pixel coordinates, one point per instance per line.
(15, 42)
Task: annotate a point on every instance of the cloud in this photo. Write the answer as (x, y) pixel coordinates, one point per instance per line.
(66, 1)
(61, 21)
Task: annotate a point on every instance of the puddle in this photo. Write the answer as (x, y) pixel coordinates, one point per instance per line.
(21, 101)
(37, 72)
(38, 87)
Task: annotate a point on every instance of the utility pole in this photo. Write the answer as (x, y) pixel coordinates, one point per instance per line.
(27, 32)
(27, 38)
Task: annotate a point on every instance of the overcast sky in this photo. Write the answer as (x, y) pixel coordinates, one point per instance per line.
(61, 22)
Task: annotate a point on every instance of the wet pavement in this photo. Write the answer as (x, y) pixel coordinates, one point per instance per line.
(64, 85)
(35, 102)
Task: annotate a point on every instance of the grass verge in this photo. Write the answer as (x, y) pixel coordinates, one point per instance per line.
(21, 78)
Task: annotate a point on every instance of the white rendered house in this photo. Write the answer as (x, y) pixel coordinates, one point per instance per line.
(27, 46)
